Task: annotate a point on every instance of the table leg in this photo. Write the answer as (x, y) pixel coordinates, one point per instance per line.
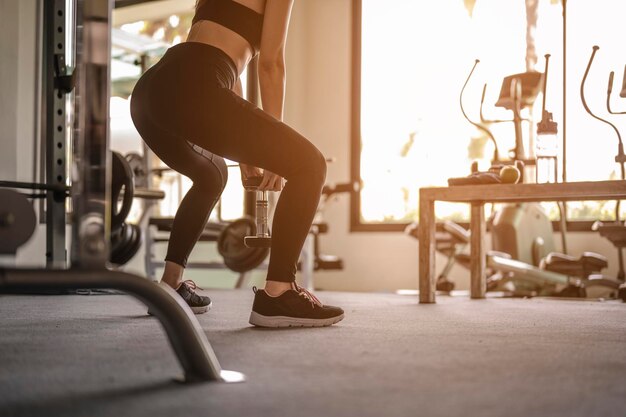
(478, 285)
(427, 280)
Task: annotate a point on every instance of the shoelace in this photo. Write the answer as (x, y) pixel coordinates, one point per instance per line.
(307, 295)
(191, 284)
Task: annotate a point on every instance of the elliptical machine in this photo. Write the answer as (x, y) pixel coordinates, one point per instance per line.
(615, 231)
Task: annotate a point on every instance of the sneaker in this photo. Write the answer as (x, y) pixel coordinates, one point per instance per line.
(198, 303)
(293, 308)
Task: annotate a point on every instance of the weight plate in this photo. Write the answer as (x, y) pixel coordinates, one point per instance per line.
(230, 243)
(17, 221)
(256, 258)
(136, 163)
(125, 244)
(121, 179)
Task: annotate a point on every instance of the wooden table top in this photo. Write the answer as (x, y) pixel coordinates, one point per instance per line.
(494, 193)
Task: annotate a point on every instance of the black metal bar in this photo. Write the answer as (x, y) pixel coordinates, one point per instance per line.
(53, 115)
(496, 154)
(90, 215)
(185, 334)
(125, 3)
(252, 95)
(34, 186)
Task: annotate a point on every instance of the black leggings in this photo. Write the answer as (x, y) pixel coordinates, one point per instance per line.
(185, 110)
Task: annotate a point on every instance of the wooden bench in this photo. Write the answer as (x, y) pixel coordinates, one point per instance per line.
(477, 196)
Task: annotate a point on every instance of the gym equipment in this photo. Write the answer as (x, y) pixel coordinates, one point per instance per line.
(213, 232)
(17, 221)
(122, 187)
(245, 243)
(262, 237)
(125, 238)
(615, 232)
(609, 90)
(497, 174)
(90, 181)
(522, 232)
(623, 92)
(233, 246)
(525, 233)
(125, 243)
(482, 128)
(138, 167)
(523, 263)
(518, 91)
(620, 158)
(450, 240)
(311, 258)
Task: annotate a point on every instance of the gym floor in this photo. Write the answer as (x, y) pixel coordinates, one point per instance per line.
(101, 355)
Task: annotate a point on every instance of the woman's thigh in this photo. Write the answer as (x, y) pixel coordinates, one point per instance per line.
(187, 158)
(234, 128)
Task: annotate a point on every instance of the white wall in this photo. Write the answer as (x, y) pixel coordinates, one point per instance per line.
(9, 51)
(18, 75)
(318, 105)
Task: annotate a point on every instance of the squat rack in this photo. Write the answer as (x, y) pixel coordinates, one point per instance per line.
(91, 176)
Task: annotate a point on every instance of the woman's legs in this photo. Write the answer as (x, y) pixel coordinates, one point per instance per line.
(235, 129)
(209, 175)
(223, 123)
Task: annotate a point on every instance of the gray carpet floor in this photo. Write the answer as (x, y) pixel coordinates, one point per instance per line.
(102, 356)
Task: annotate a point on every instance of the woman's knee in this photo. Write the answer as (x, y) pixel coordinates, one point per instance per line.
(316, 166)
(212, 181)
(310, 166)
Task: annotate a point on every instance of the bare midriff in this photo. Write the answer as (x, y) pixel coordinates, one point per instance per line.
(231, 43)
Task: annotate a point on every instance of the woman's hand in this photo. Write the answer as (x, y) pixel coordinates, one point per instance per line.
(270, 181)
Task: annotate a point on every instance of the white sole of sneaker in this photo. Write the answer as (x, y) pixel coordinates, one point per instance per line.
(259, 320)
(200, 310)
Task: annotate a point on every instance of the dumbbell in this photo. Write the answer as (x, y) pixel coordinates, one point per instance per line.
(262, 238)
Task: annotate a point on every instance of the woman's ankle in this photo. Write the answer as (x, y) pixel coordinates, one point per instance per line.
(172, 282)
(172, 274)
(276, 288)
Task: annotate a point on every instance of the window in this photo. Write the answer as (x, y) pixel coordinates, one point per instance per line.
(411, 59)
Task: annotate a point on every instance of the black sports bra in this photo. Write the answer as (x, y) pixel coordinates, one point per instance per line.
(234, 16)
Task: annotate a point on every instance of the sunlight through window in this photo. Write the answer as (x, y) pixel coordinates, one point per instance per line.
(415, 57)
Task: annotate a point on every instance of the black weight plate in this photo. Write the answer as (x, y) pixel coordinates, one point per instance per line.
(125, 244)
(121, 178)
(256, 258)
(230, 243)
(17, 221)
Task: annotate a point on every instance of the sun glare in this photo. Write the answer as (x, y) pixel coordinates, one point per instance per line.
(415, 58)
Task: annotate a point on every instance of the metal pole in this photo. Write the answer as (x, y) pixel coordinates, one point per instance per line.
(185, 335)
(53, 120)
(252, 95)
(564, 92)
(90, 207)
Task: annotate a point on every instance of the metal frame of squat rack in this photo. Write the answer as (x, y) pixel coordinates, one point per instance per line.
(90, 199)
